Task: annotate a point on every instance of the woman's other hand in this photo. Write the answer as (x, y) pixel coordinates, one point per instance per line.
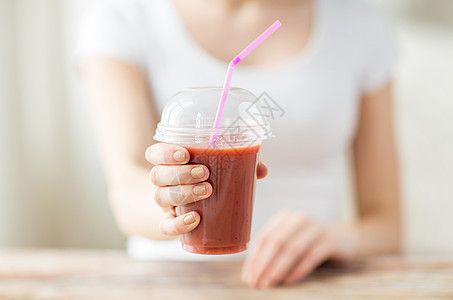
(290, 248)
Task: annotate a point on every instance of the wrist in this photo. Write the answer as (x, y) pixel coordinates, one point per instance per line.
(346, 244)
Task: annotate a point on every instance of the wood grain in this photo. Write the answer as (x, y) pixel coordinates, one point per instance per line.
(78, 274)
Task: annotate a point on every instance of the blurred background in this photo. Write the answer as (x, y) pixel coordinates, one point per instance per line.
(52, 191)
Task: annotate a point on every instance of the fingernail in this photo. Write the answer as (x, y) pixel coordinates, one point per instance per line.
(248, 278)
(254, 282)
(197, 173)
(179, 156)
(199, 189)
(189, 219)
(266, 283)
(245, 276)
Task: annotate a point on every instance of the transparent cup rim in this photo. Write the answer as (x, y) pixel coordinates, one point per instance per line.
(215, 88)
(178, 135)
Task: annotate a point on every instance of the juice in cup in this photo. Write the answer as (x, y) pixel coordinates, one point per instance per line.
(187, 120)
(227, 214)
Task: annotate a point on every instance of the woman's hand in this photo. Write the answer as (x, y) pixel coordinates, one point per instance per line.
(290, 248)
(177, 183)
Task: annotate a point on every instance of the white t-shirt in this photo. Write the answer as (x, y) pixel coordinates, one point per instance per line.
(350, 52)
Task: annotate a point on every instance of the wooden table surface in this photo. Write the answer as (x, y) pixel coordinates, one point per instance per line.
(75, 274)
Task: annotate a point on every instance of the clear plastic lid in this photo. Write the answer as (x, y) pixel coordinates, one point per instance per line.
(188, 118)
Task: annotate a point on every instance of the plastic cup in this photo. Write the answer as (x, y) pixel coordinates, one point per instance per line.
(187, 120)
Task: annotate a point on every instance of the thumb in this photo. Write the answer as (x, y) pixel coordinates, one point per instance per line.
(261, 170)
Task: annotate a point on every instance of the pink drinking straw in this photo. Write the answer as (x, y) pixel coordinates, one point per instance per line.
(229, 76)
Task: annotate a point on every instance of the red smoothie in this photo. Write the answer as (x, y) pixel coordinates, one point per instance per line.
(226, 216)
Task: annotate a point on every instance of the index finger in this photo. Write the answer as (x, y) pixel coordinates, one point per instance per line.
(167, 154)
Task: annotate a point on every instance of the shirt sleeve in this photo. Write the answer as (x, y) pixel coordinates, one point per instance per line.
(107, 30)
(380, 53)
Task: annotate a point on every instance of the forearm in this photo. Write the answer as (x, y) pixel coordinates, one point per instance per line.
(131, 199)
(125, 118)
(378, 229)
